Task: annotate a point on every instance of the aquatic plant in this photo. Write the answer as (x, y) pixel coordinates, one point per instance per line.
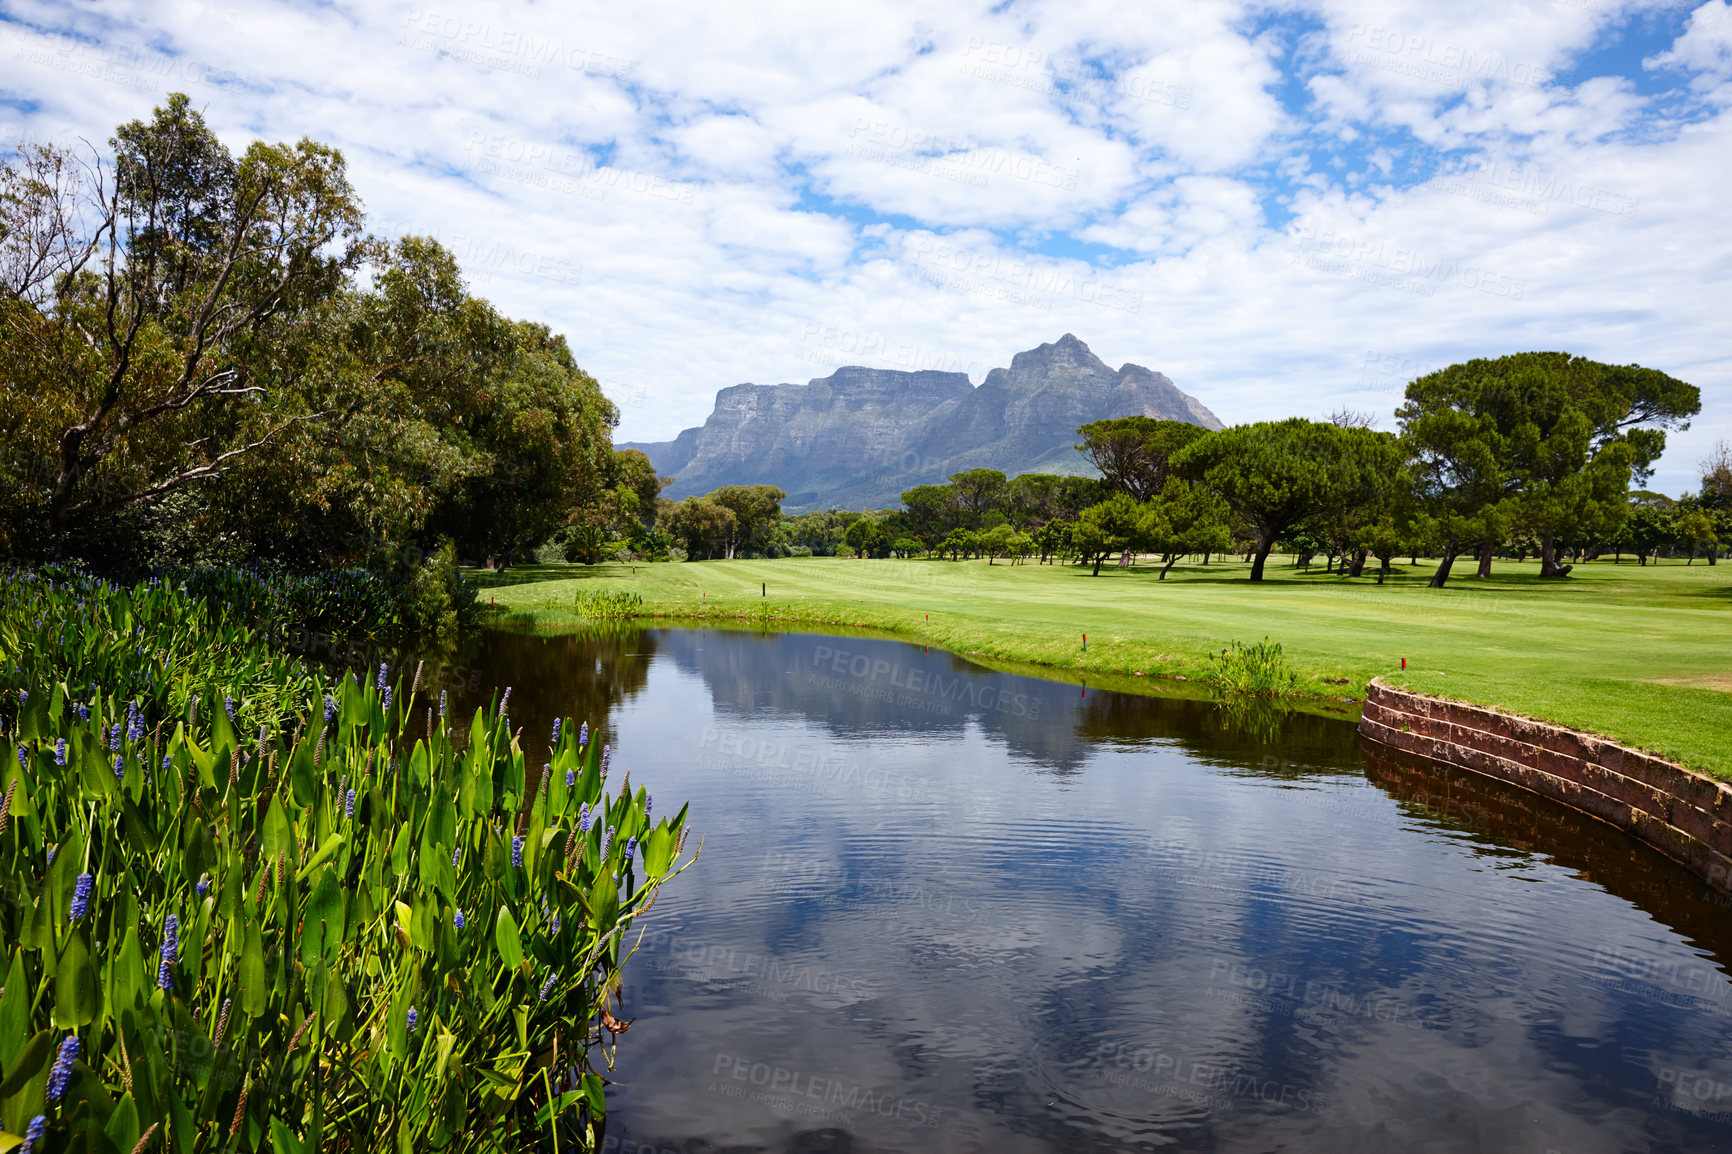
(262, 946)
(609, 604)
(1255, 669)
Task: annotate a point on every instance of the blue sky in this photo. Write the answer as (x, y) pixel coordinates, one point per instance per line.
(1287, 207)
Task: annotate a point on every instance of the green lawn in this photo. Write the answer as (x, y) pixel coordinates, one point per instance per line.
(1643, 655)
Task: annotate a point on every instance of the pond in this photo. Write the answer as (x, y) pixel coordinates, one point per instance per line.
(941, 907)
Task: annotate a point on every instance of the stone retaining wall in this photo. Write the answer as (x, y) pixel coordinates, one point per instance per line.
(1684, 815)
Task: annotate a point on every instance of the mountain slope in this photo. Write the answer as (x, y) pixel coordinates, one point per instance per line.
(859, 437)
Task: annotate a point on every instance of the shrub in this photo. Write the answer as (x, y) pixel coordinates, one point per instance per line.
(1254, 670)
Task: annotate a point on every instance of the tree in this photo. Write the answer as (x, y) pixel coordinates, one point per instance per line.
(1549, 440)
(1182, 519)
(701, 525)
(147, 306)
(957, 543)
(1112, 526)
(1134, 453)
(978, 492)
(756, 509)
(1053, 539)
(1276, 474)
(868, 538)
(1019, 546)
(995, 542)
(931, 511)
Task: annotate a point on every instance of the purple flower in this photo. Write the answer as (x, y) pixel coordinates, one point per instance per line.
(170, 949)
(60, 751)
(556, 731)
(61, 1075)
(630, 847)
(349, 805)
(649, 803)
(583, 734)
(457, 919)
(441, 703)
(119, 766)
(547, 986)
(505, 701)
(114, 738)
(583, 818)
(517, 851)
(456, 856)
(330, 707)
(385, 702)
(23, 759)
(383, 671)
(414, 1019)
(83, 712)
(80, 897)
(134, 721)
(606, 756)
(33, 1135)
(165, 760)
(229, 706)
(570, 778)
(203, 886)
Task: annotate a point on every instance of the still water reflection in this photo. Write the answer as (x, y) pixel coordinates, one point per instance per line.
(945, 908)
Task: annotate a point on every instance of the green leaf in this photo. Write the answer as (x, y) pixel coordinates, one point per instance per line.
(322, 928)
(303, 778)
(279, 835)
(320, 856)
(283, 1140)
(596, 1092)
(24, 1091)
(123, 1128)
(14, 1014)
(254, 990)
(200, 851)
(658, 851)
(126, 977)
(508, 938)
(76, 1000)
(603, 901)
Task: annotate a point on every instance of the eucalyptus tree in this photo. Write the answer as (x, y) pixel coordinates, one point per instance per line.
(149, 306)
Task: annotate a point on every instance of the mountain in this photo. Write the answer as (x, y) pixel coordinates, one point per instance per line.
(859, 437)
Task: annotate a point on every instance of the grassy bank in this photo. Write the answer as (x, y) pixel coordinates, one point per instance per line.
(1643, 655)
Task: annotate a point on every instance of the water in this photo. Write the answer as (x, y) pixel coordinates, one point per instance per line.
(946, 908)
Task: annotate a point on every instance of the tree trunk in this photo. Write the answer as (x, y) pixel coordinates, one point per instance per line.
(1485, 551)
(1358, 569)
(1382, 569)
(1099, 557)
(1263, 548)
(1443, 566)
(1172, 559)
(1549, 566)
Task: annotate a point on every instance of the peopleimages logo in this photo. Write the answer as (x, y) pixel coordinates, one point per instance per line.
(959, 689)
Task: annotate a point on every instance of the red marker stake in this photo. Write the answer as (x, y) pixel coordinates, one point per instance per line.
(1404, 663)
(1085, 643)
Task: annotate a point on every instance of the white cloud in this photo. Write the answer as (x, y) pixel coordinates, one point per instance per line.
(1300, 206)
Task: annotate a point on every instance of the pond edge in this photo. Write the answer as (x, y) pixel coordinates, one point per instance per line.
(1684, 814)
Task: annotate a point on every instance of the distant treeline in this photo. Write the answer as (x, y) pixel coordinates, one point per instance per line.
(1532, 454)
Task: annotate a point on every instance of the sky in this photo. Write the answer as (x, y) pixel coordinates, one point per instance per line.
(1288, 208)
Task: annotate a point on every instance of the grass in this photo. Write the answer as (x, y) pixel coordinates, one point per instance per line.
(1640, 654)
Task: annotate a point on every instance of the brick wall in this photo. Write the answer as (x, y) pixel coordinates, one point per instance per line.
(1684, 815)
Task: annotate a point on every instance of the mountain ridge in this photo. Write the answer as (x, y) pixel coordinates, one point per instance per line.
(861, 436)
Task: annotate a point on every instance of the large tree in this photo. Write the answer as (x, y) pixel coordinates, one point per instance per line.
(1548, 440)
(756, 509)
(1134, 453)
(151, 306)
(978, 492)
(1275, 475)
